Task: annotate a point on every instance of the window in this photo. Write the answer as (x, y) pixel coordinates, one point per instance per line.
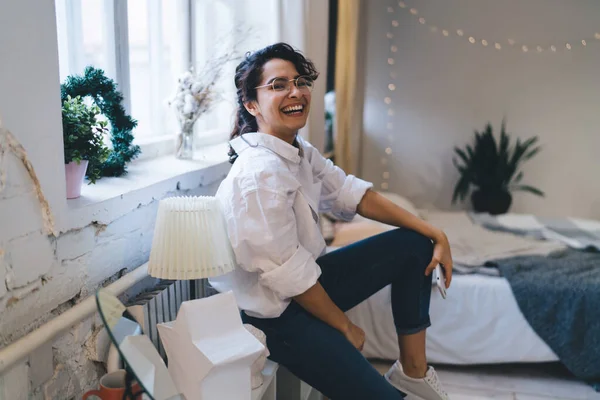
(255, 20)
(144, 45)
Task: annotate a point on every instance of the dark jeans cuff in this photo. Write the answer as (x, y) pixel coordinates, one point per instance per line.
(409, 331)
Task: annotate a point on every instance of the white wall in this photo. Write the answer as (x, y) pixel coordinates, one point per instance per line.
(30, 97)
(43, 275)
(447, 87)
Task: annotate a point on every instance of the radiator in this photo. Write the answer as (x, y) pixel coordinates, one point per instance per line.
(162, 304)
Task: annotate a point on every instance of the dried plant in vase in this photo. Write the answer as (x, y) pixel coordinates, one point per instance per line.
(195, 95)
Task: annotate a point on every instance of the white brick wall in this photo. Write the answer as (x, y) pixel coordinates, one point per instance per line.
(22, 213)
(14, 385)
(42, 276)
(29, 258)
(42, 283)
(3, 268)
(75, 243)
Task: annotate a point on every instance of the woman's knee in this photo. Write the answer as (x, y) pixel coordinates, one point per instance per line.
(420, 245)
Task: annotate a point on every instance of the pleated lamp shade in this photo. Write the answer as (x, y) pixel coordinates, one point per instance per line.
(190, 240)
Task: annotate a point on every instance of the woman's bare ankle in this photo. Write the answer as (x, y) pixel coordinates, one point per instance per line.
(412, 369)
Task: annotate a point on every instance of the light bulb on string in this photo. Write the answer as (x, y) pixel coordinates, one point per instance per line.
(523, 47)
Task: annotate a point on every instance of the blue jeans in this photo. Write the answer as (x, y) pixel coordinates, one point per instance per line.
(319, 354)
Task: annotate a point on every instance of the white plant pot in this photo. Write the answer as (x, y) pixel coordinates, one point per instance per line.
(75, 172)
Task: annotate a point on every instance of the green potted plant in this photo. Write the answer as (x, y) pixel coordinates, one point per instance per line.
(493, 168)
(83, 143)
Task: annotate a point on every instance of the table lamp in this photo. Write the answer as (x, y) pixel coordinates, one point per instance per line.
(190, 240)
(210, 352)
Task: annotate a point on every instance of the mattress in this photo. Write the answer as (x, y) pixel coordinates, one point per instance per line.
(479, 322)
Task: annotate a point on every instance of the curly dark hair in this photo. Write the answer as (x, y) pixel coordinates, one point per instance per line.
(248, 75)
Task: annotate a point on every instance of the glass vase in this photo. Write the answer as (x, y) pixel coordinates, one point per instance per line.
(185, 144)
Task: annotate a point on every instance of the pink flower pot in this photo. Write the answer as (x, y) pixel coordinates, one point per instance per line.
(75, 173)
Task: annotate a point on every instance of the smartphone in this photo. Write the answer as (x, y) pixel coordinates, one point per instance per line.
(440, 280)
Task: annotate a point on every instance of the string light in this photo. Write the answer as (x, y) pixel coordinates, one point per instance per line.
(393, 49)
(523, 47)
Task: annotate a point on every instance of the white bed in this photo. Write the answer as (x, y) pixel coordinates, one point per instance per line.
(479, 322)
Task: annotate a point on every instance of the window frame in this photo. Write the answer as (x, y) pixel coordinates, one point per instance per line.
(118, 68)
(116, 37)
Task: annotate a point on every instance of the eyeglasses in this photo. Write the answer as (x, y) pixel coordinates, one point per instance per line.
(303, 83)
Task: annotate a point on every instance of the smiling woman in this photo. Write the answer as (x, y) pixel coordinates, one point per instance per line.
(274, 88)
(284, 283)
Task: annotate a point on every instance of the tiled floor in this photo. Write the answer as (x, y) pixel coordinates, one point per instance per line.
(509, 382)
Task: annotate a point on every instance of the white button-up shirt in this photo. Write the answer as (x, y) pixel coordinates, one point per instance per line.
(271, 199)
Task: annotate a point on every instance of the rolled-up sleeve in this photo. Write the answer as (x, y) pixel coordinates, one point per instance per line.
(340, 193)
(265, 240)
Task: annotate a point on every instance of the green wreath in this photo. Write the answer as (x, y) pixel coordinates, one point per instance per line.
(103, 91)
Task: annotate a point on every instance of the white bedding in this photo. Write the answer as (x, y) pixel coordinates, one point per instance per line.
(478, 323)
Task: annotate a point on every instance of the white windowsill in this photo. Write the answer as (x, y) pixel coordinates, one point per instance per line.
(162, 145)
(146, 181)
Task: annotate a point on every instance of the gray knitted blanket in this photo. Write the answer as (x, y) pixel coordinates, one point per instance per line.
(559, 295)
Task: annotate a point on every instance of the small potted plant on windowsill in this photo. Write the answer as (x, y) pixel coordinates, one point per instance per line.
(493, 168)
(83, 143)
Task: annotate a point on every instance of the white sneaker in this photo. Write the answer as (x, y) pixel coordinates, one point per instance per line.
(427, 388)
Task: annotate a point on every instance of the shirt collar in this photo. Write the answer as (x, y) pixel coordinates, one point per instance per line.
(276, 145)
